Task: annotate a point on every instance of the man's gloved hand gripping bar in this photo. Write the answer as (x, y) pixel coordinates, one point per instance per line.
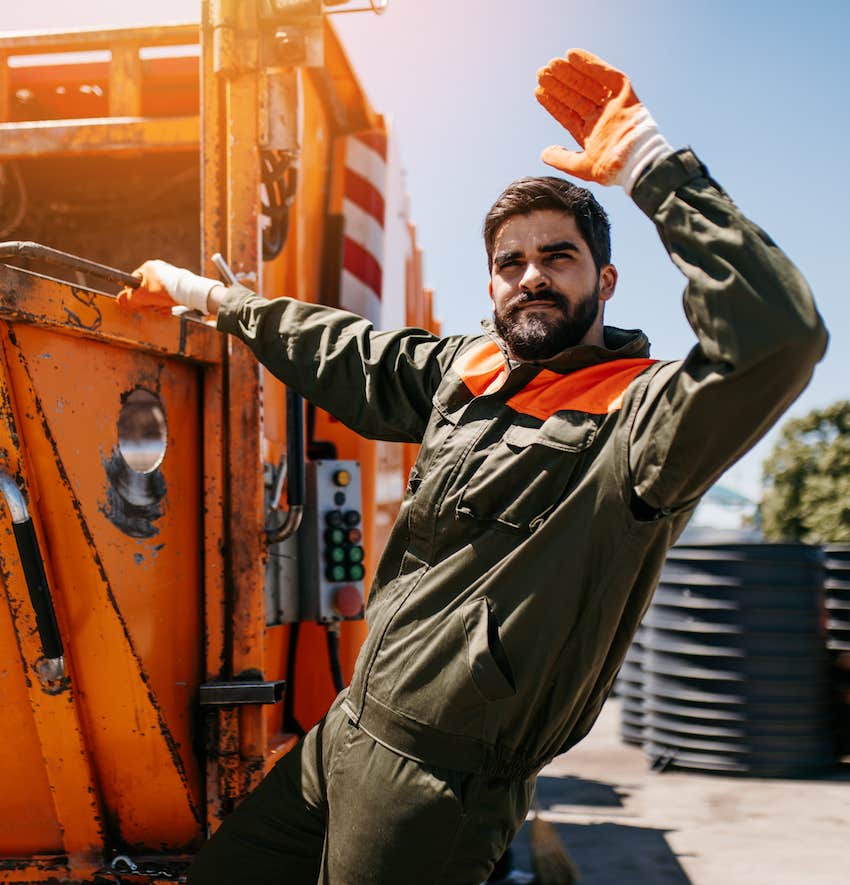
(164, 285)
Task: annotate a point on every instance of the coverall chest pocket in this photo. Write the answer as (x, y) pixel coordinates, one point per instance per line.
(529, 471)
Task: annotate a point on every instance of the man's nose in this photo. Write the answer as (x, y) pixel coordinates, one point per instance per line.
(534, 277)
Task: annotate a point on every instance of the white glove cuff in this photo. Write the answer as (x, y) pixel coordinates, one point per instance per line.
(185, 287)
(649, 146)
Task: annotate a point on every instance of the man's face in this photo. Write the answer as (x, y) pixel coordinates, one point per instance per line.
(544, 284)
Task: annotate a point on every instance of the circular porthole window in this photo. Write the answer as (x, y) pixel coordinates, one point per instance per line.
(142, 431)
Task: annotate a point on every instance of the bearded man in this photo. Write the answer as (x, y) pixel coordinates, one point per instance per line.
(558, 463)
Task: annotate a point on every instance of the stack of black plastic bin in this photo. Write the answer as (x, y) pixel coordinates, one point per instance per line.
(837, 586)
(736, 669)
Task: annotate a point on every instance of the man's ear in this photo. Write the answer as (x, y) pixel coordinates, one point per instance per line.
(607, 282)
(490, 289)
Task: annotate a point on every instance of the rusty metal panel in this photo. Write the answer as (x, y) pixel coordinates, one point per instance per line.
(231, 226)
(83, 40)
(33, 299)
(118, 596)
(147, 622)
(107, 135)
(114, 747)
(125, 80)
(61, 749)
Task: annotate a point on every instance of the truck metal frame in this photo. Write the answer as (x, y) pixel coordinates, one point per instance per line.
(166, 709)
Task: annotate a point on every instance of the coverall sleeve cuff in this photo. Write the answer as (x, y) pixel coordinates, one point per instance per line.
(665, 177)
(232, 305)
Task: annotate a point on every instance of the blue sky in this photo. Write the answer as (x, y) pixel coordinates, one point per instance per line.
(761, 90)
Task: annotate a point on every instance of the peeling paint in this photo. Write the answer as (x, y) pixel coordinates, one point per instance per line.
(42, 863)
(65, 481)
(15, 613)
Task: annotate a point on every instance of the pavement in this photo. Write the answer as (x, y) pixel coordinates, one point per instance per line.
(624, 824)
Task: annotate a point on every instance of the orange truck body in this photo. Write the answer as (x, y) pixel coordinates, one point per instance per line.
(151, 145)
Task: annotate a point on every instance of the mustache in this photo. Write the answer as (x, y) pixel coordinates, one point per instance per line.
(547, 294)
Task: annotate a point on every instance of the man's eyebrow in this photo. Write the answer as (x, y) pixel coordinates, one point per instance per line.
(562, 246)
(502, 257)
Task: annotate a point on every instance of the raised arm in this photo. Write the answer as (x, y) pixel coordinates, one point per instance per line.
(758, 332)
(759, 337)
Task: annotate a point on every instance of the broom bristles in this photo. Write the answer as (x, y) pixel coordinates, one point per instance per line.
(550, 861)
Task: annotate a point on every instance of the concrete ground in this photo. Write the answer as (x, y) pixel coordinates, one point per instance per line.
(626, 825)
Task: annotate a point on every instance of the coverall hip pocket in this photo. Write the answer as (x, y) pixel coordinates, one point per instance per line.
(452, 674)
(488, 661)
(529, 471)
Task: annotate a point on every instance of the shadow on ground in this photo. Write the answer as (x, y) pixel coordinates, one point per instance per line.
(555, 791)
(605, 853)
(613, 854)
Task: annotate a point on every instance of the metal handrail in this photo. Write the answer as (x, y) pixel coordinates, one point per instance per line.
(25, 249)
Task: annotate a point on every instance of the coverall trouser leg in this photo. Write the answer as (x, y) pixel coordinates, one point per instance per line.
(341, 809)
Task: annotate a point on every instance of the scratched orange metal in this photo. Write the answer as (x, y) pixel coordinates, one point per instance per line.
(156, 581)
(235, 144)
(133, 703)
(25, 298)
(98, 137)
(25, 797)
(73, 804)
(36, 42)
(48, 869)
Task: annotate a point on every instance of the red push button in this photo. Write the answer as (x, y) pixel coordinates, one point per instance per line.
(348, 602)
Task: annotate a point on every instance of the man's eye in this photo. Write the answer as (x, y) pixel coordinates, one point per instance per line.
(561, 256)
(512, 262)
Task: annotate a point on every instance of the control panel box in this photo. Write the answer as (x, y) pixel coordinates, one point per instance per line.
(331, 543)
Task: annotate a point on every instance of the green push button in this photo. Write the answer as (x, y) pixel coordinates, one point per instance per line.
(335, 573)
(335, 554)
(335, 537)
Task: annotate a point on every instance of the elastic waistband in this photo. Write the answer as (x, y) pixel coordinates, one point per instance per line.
(429, 745)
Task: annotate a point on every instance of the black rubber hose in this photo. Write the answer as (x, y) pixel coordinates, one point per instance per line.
(39, 591)
(333, 657)
(290, 723)
(296, 485)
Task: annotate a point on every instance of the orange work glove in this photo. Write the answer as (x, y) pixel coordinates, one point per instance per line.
(165, 286)
(597, 105)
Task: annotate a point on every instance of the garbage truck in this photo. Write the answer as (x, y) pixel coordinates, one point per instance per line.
(185, 546)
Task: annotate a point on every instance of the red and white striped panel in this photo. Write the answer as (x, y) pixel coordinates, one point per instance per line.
(363, 209)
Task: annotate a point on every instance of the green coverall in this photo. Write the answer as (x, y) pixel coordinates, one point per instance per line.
(529, 543)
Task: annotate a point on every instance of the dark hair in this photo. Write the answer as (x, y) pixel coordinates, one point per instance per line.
(527, 195)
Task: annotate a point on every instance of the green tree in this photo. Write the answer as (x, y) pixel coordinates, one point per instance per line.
(807, 479)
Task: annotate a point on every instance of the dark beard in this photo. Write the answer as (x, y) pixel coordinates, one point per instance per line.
(531, 336)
